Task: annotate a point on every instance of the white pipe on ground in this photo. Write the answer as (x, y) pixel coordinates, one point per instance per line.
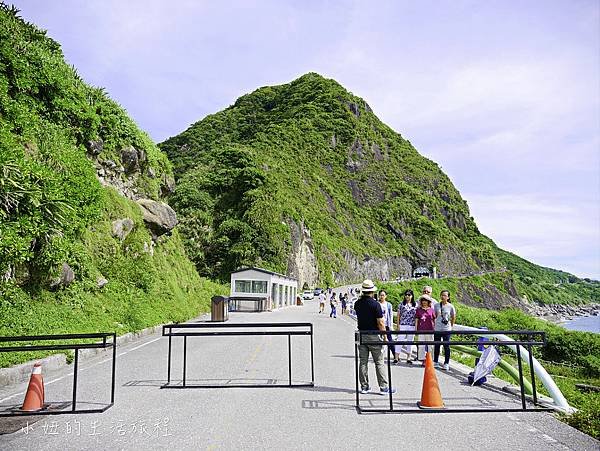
(560, 402)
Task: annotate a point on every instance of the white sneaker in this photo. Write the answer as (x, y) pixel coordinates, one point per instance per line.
(436, 365)
(446, 366)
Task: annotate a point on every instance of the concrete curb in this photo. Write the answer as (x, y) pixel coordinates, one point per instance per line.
(22, 372)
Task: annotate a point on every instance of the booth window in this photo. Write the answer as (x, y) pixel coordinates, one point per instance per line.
(259, 286)
(250, 286)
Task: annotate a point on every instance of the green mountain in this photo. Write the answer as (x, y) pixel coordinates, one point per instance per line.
(86, 243)
(303, 178)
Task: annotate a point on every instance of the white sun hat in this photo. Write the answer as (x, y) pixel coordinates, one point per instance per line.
(368, 286)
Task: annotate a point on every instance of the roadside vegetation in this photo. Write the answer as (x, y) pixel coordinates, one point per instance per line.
(54, 211)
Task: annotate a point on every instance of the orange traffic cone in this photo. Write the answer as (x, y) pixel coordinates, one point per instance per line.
(34, 398)
(431, 398)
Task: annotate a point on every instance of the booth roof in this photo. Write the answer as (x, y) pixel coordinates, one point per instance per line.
(265, 271)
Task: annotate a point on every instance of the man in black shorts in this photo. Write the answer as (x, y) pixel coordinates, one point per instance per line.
(370, 317)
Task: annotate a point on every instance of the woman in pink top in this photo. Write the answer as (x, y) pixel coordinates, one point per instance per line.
(424, 321)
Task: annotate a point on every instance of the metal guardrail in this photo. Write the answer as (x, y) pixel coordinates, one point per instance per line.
(198, 330)
(14, 411)
(527, 343)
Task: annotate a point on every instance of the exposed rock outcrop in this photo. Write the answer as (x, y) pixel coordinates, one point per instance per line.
(65, 278)
(302, 263)
(95, 147)
(158, 216)
(372, 268)
(122, 227)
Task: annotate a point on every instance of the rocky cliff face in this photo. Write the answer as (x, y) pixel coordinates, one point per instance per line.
(302, 263)
(126, 169)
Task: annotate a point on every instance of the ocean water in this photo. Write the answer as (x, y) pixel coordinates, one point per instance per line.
(585, 323)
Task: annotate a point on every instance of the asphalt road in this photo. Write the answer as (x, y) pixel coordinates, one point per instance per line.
(315, 418)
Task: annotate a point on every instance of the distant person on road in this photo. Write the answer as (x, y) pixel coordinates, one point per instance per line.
(424, 322)
(333, 305)
(387, 310)
(445, 317)
(370, 317)
(321, 302)
(344, 304)
(406, 321)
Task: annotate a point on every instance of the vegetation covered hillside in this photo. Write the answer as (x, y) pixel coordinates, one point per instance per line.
(77, 250)
(311, 155)
(304, 178)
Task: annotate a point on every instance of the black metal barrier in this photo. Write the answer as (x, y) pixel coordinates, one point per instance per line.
(60, 409)
(527, 343)
(191, 330)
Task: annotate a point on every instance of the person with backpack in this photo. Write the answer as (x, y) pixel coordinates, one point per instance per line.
(387, 309)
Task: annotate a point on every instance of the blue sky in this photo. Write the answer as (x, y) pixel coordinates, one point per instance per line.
(504, 95)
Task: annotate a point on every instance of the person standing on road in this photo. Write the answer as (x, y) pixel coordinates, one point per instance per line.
(424, 322)
(387, 310)
(406, 321)
(321, 302)
(370, 317)
(344, 303)
(333, 305)
(445, 317)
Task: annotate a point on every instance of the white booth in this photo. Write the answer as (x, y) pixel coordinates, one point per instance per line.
(256, 289)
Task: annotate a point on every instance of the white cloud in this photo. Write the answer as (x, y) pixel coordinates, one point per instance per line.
(546, 231)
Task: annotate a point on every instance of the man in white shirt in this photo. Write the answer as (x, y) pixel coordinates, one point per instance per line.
(321, 302)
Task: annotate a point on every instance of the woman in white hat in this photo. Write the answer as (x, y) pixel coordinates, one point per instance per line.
(424, 322)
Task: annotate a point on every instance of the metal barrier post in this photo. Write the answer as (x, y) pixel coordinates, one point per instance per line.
(184, 356)
(532, 374)
(521, 378)
(389, 367)
(114, 364)
(312, 356)
(356, 338)
(169, 362)
(290, 359)
(75, 380)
